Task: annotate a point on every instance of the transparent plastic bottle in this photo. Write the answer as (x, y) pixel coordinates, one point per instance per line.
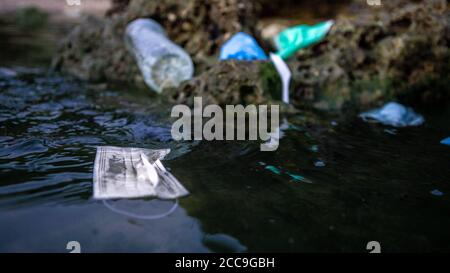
(162, 62)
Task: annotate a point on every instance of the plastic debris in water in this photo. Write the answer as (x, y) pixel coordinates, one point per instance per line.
(242, 46)
(275, 135)
(297, 177)
(319, 164)
(279, 171)
(394, 114)
(273, 169)
(295, 38)
(446, 141)
(391, 131)
(436, 192)
(133, 172)
(314, 148)
(285, 75)
(161, 62)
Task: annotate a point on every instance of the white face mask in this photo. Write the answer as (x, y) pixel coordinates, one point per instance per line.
(133, 172)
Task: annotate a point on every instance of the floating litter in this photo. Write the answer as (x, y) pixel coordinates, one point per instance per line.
(319, 164)
(273, 169)
(133, 173)
(297, 177)
(279, 171)
(436, 192)
(394, 114)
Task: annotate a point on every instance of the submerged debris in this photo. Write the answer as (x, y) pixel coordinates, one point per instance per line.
(279, 171)
(297, 177)
(273, 169)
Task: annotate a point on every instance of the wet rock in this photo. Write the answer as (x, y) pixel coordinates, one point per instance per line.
(229, 82)
(399, 51)
(95, 49)
(30, 18)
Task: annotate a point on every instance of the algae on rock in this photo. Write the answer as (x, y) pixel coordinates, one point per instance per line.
(228, 82)
(386, 55)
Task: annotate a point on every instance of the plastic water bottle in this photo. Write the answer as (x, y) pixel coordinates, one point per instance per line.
(162, 62)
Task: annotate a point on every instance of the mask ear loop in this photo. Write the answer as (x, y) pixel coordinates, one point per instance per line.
(139, 216)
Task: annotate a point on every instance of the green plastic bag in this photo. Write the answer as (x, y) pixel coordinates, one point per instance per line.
(295, 38)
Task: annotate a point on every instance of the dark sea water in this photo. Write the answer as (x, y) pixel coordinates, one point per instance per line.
(328, 190)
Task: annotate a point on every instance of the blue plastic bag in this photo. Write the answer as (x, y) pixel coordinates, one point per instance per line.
(242, 46)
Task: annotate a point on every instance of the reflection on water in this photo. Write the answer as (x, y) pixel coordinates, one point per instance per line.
(375, 185)
(49, 229)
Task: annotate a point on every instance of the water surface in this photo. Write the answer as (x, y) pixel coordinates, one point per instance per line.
(332, 188)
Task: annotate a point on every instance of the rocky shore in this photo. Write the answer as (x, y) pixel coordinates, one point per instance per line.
(399, 50)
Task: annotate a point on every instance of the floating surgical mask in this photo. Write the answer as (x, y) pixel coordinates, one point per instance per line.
(133, 172)
(394, 114)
